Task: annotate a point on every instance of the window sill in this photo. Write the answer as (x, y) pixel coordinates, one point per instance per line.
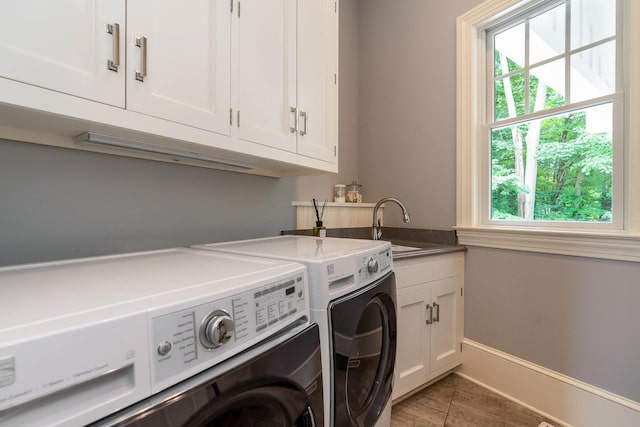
(622, 247)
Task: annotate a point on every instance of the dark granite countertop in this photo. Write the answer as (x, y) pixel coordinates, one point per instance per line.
(426, 242)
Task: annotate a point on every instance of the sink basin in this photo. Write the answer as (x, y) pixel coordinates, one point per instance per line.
(400, 248)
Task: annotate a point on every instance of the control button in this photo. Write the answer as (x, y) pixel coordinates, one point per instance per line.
(372, 265)
(216, 329)
(164, 348)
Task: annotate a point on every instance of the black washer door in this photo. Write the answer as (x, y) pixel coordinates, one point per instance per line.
(364, 333)
(281, 386)
(275, 405)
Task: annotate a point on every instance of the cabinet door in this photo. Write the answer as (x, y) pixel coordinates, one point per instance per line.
(183, 72)
(317, 79)
(64, 46)
(412, 353)
(446, 327)
(265, 69)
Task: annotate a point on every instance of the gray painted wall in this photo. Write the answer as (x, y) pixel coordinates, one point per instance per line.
(577, 316)
(60, 203)
(573, 315)
(408, 106)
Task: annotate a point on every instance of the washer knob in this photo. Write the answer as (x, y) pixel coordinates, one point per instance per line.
(164, 348)
(216, 329)
(372, 265)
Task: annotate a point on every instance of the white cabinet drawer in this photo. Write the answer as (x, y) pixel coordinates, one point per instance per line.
(418, 270)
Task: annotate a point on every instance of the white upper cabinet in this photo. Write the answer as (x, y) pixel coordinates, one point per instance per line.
(287, 75)
(70, 46)
(265, 65)
(317, 79)
(249, 86)
(179, 61)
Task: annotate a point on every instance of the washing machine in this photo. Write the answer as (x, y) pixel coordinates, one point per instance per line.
(278, 383)
(178, 336)
(353, 300)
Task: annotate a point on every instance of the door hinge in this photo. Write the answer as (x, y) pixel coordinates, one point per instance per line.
(335, 79)
(461, 292)
(238, 9)
(238, 119)
(335, 151)
(335, 6)
(231, 5)
(231, 116)
(460, 347)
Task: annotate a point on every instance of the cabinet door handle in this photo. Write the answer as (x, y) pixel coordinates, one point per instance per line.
(114, 30)
(429, 315)
(294, 128)
(436, 318)
(304, 116)
(141, 42)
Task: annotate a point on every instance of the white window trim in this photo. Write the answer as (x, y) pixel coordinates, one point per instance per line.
(471, 47)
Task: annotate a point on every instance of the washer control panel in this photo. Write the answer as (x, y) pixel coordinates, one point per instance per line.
(198, 337)
(374, 264)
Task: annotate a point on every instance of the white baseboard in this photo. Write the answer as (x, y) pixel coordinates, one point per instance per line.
(560, 398)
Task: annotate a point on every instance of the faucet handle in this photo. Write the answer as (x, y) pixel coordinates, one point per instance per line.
(376, 231)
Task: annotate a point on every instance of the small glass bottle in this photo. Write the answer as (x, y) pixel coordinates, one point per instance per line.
(339, 193)
(354, 193)
(320, 230)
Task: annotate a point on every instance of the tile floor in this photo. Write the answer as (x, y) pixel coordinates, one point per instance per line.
(457, 402)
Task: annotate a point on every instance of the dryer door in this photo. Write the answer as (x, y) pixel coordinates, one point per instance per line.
(364, 332)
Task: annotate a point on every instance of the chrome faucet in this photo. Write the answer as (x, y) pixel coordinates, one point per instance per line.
(376, 231)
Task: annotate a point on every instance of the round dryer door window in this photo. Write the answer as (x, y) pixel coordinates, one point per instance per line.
(364, 343)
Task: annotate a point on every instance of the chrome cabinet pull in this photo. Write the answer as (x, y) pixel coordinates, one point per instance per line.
(304, 116)
(293, 110)
(114, 30)
(436, 318)
(141, 42)
(429, 321)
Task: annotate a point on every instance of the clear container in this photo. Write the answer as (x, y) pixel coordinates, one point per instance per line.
(339, 193)
(354, 193)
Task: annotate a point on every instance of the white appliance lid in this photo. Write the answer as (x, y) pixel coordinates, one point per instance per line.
(299, 248)
(38, 292)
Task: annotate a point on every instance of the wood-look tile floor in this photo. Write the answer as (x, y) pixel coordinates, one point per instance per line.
(457, 402)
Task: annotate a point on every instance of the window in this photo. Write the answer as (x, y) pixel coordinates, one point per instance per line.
(553, 82)
(547, 154)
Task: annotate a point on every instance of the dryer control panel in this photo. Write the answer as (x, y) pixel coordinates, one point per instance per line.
(198, 337)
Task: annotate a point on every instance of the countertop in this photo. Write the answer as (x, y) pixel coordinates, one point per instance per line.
(426, 242)
(422, 249)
